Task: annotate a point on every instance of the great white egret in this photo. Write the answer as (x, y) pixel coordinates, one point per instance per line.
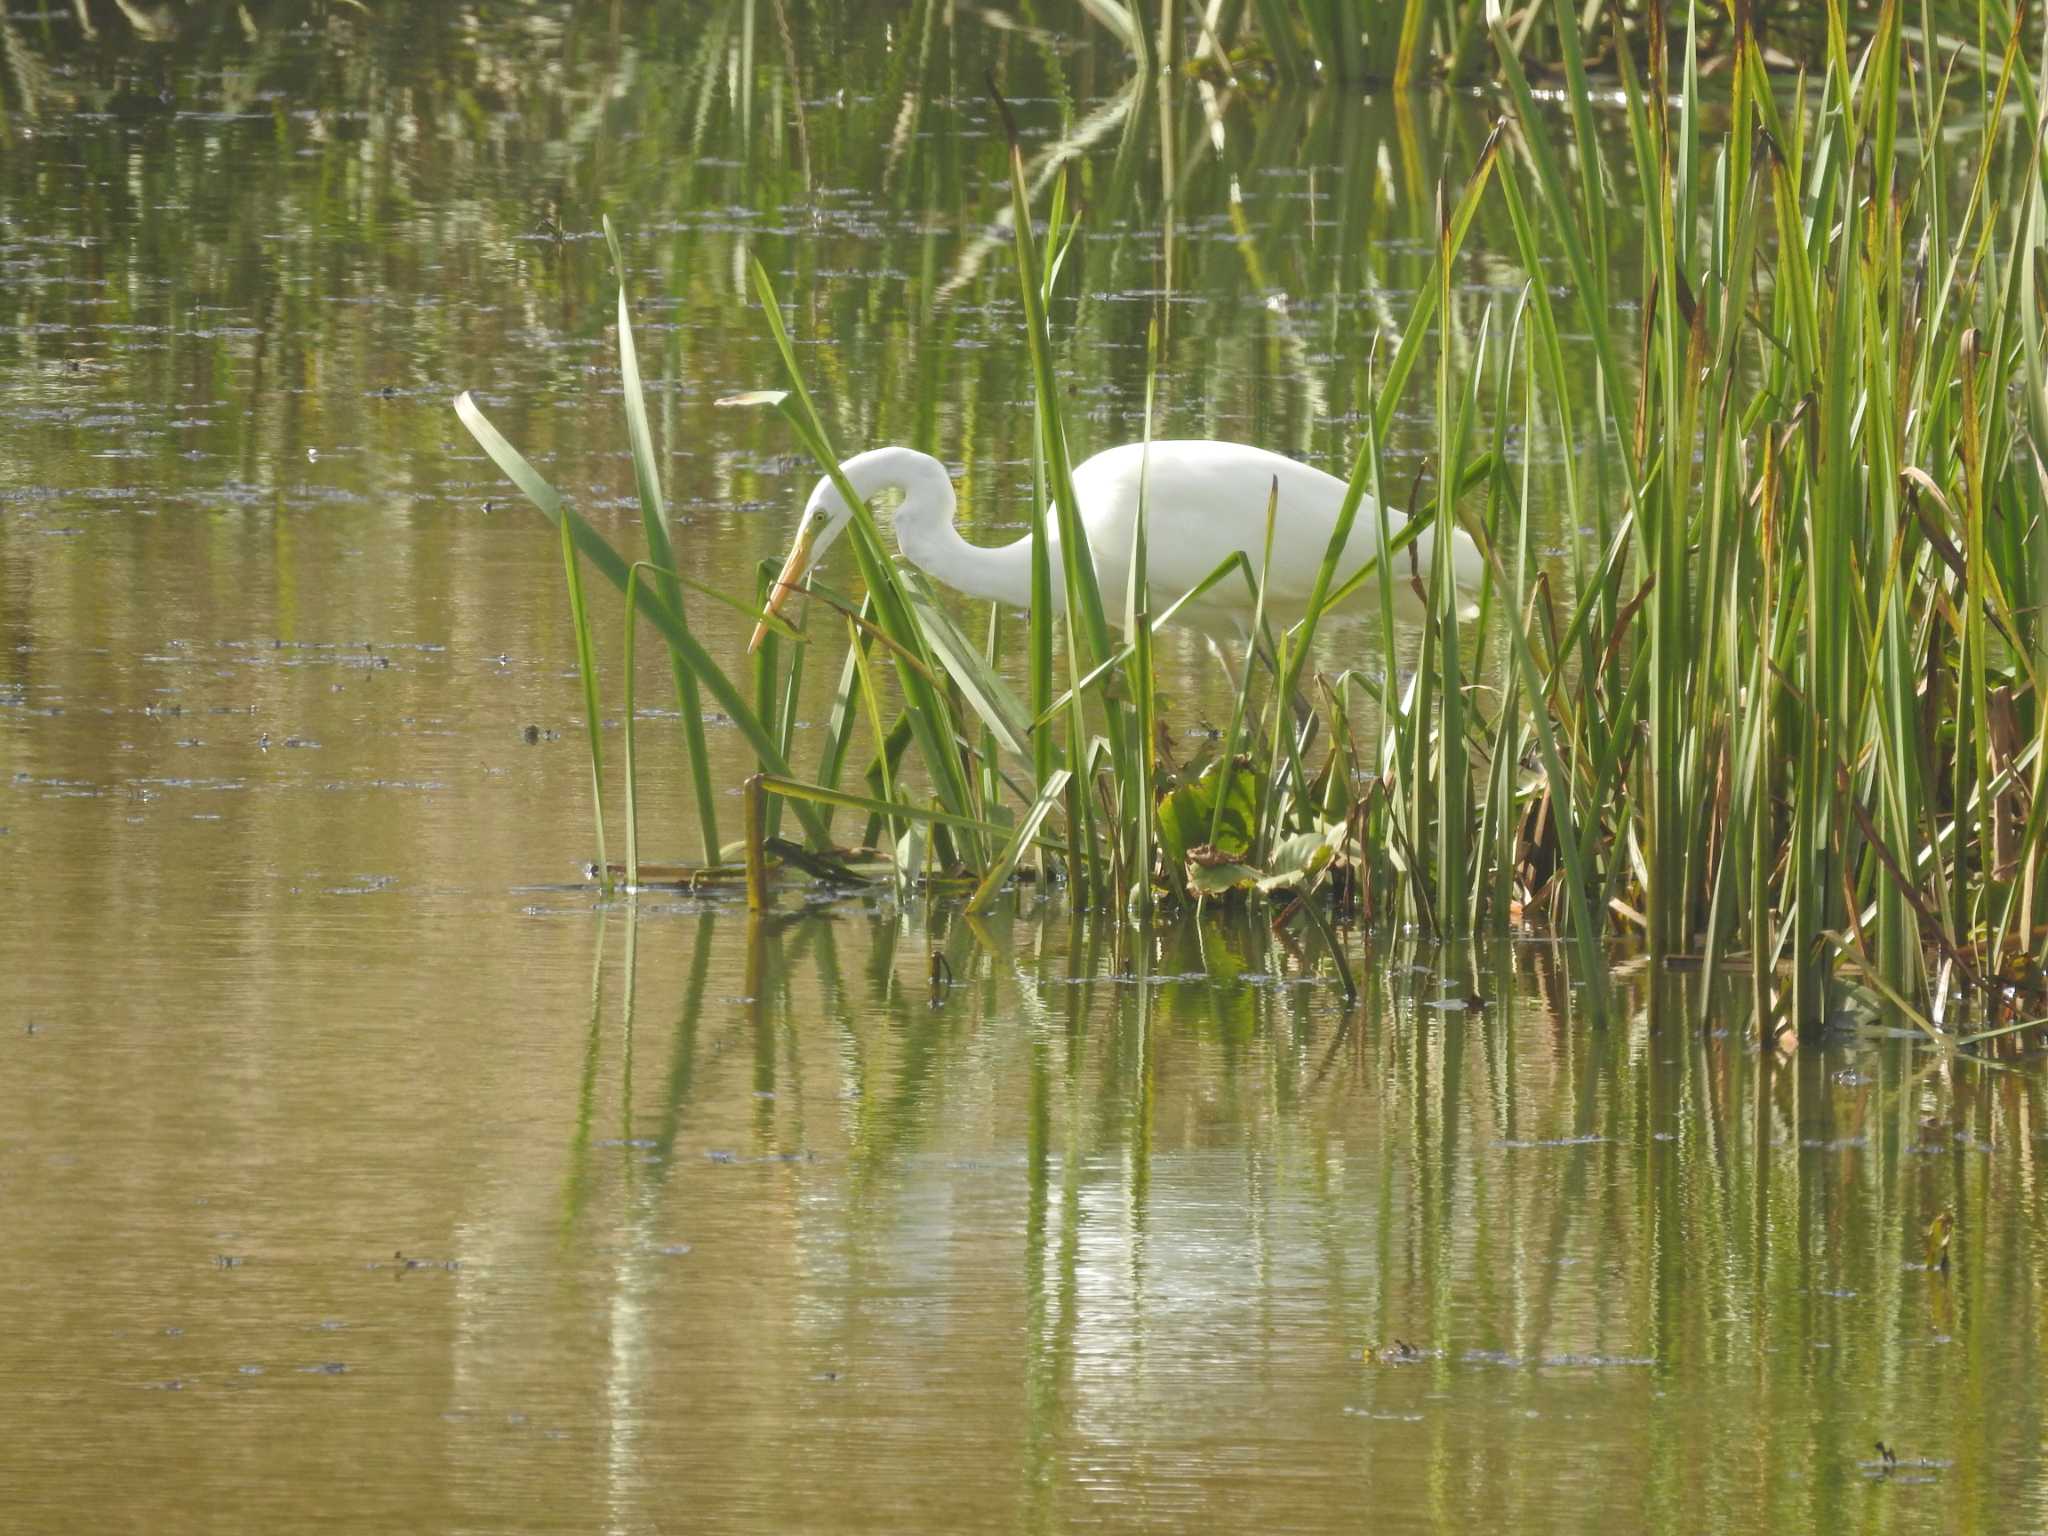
(1204, 500)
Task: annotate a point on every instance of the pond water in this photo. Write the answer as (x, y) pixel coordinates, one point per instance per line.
(360, 1167)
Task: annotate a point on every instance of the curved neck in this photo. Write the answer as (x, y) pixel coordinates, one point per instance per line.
(925, 531)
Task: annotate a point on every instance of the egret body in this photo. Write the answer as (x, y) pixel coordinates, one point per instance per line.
(1204, 501)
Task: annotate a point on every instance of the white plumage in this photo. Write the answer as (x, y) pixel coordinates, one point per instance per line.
(1204, 501)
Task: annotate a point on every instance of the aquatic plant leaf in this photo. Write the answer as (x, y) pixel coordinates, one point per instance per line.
(986, 693)
(1296, 860)
(1180, 822)
(1235, 809)
(1189, 811)
(1214, 880)
(1219, 878)
(1027, 830)
(910, 851)
(818, 794)
(654, 523)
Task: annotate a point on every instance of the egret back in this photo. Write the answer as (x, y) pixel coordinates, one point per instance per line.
(1208, 499)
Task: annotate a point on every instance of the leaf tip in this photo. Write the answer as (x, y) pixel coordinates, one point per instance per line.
(1003, 109)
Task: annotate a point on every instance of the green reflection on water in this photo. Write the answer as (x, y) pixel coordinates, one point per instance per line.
(1647, 1258)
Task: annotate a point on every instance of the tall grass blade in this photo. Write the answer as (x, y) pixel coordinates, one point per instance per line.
(606, 562)
(1022, 837)
(586, 672)
(654, 521)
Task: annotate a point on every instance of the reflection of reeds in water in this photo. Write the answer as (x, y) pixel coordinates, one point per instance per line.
(1405, 42)
(1091, 1176)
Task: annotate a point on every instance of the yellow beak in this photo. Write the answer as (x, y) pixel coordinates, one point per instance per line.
(794, 571)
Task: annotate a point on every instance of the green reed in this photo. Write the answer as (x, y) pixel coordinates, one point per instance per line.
(1776, 717)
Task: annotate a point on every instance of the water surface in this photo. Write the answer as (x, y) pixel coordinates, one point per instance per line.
(362, 1168)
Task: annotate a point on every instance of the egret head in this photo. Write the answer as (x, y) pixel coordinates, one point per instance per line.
(825, 517)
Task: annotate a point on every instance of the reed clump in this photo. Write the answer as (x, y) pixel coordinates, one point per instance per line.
(1775, 715)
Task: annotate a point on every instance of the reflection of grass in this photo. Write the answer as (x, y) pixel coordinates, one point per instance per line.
(1113, 1192)
(1404, 41)
(1785, 704)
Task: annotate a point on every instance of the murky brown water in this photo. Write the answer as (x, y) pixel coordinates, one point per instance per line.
(359, 1170)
